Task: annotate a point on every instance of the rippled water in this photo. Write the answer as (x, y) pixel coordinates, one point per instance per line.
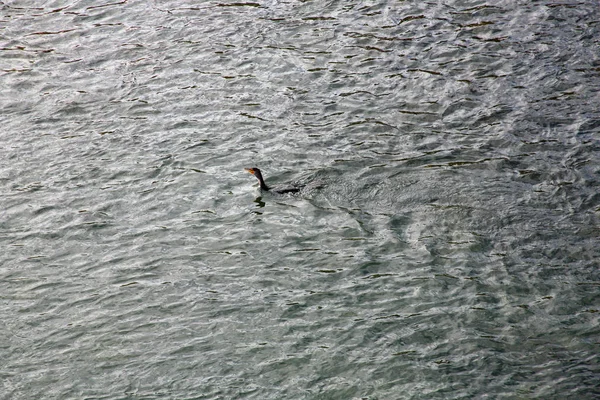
(446, 246)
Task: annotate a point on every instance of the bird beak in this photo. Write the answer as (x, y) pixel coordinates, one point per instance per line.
(249, 170)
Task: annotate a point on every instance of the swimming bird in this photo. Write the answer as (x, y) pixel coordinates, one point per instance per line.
(263, 186)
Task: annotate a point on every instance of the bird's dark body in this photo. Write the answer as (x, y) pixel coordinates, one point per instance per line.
(285, 190)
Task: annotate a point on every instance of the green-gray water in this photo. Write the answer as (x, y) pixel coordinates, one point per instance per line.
(452, 251)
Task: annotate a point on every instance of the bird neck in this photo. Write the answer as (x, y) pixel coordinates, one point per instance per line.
(263, 185)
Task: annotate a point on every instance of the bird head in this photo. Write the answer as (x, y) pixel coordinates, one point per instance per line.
(258, 175)
(254, 171)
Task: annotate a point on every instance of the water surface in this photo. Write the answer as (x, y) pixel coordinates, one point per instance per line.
(451, 252)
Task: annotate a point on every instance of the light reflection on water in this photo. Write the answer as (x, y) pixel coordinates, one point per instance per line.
(447, 247)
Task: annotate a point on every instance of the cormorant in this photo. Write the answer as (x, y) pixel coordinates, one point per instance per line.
(263, 186)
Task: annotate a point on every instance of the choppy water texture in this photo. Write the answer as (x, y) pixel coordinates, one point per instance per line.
(452, 252)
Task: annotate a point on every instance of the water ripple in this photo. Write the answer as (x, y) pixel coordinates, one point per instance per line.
(446, 244)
